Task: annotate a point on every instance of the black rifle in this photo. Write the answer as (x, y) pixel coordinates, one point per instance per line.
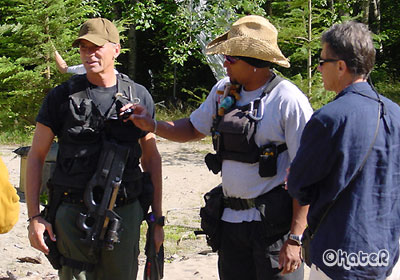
(101, 224)
(154, 268)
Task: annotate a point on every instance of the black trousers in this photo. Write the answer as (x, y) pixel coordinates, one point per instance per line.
(245, 255)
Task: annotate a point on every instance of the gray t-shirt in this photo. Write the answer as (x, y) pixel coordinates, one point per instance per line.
(286, 111)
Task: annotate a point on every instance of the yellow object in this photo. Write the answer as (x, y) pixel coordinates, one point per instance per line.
(9, 201)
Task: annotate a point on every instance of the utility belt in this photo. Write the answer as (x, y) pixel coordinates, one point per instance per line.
(275, 207)
(141, 188)
(236, 203)
(123, 198)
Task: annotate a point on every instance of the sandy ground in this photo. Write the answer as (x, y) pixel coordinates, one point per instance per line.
(185, 180)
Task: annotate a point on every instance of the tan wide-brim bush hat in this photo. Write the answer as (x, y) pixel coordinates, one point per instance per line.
(251, 36)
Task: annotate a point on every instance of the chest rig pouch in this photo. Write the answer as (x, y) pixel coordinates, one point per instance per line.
(86, 128)
(233, 133)
(234, 136)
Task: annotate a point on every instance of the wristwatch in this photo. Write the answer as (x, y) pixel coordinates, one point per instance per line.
(160, 221)
(296, 238)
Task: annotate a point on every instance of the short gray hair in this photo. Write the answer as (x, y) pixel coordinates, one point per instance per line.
(352, 42)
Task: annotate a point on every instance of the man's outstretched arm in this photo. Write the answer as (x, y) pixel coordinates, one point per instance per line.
(181, 130)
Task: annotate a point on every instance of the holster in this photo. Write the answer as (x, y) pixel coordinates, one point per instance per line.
(211, 215)
(276, 208)
(49, 214)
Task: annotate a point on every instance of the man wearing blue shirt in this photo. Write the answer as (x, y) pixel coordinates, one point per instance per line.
(358, 236)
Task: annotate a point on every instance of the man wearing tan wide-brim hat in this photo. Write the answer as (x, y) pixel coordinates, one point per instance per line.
(255, 119)
(250, 36)
(107, 172)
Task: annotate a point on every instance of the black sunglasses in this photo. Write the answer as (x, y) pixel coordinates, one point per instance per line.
(231, 59)
(322, 61)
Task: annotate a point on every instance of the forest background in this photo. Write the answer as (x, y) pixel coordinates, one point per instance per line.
(163, 47)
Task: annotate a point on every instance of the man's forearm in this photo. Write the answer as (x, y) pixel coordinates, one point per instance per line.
(156, 178)
(33, 182)
(299, 220)
(178, 131)
(151, 163)
(60, 63)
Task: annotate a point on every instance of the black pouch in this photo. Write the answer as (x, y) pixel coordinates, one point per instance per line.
(54, 255)
(276, 208)
(49, 214)
(236, 129)
(211, 215)
(213, 162)
(268, 161)
(305, 246)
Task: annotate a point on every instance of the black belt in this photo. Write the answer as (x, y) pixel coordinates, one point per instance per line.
(242, 203)
(239, 203)
(77, 198)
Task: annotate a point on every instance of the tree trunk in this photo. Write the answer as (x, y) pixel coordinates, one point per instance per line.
(364, 5)
(343, 12)
(331, 5)
(132, 45)
(268, 7)
(376, 4)
(47, 55)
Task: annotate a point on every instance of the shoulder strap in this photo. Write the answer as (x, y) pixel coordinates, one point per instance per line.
(127, 87)
(257, 104)
(272, 84)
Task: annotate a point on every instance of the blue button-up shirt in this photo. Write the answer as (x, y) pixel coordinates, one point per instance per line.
(359, 236)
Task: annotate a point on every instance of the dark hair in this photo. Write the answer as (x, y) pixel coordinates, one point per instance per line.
(258, 63)
(352, 42)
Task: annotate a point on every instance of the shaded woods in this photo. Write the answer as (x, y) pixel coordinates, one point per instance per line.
(162, 45)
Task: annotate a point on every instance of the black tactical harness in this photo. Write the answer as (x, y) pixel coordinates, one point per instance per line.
(81, 140)
(233, 133)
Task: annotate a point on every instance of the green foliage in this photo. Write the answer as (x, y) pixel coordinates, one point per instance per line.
(169, 39)
(44, 198)
(386, 85)
(172, 237)
(197, 96)
(174, 111)
(28, 35)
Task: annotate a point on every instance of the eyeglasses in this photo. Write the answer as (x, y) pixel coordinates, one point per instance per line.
(231, 59)
(322, 61)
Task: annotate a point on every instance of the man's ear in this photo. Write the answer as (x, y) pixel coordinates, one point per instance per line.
(342, 66)
(117, 50)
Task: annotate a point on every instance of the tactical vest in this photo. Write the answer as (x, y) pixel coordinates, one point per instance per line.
(233, 133)
(85, 129)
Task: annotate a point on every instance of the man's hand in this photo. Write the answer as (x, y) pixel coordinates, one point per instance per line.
(140, 117)
(158, 236)
(290, 257)
(36, 230)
